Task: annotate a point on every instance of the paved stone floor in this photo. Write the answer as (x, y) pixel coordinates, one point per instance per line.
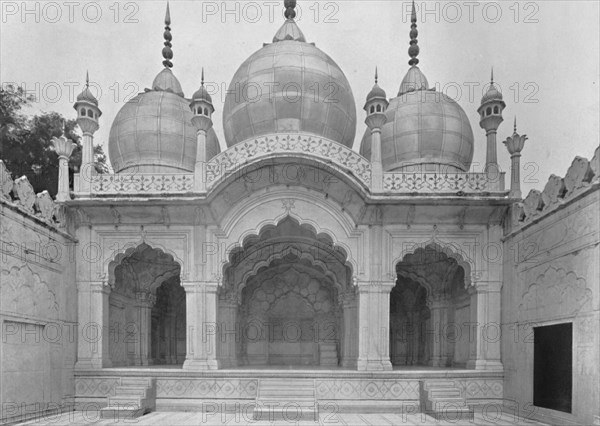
(194, 418)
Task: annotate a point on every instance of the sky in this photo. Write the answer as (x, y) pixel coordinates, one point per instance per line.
(545, 57)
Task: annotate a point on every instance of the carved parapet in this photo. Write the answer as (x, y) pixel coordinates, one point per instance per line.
(595, 164)
(578, 176)
(331, 152)
(553, 192)
(143, 183)
(23, 191)
(441, 183)
(533, 204)
(6, 182)
(45, 206)
(581, 174)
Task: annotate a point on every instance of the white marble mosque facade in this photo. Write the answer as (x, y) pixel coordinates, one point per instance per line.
(289, 249)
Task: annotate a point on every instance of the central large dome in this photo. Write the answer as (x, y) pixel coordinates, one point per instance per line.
(289, 86)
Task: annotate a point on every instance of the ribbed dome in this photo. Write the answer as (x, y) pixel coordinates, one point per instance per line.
(153, 133)
(424, 130)
(166, 81)
(289, 86)
(86, 95)
(376, 93)
(492, 94)
(413, 80)
(202, 95)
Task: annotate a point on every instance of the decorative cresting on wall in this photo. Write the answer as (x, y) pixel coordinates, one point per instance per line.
(581, 175)
(20, 193)
(23, 292)
(324, 149)
(440, 182)
(554, 290)
(132, 183)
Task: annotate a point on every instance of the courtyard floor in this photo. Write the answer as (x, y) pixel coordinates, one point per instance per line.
(195, 418)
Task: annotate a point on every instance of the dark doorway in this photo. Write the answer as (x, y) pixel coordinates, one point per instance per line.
(553, 367)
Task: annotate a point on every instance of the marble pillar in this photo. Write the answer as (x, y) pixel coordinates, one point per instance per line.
(228, 332)
(350, 326)
(94, 328)
(485, 336)
(374, 325)
(144, 303)
(201, 334)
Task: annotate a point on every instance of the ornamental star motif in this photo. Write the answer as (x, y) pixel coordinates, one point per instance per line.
(288, 204)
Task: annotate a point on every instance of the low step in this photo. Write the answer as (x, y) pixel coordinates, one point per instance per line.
(444, 401)
(134, 397)
(287, 400)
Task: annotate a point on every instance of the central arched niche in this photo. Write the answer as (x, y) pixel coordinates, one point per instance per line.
(286, 285)
(145, 290)
(430, 310)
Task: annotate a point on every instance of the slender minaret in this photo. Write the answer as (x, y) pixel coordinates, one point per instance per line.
(375, 107)
(88, 114)
(490, 113)
(64, 148)
(515, 145)
(202, 108)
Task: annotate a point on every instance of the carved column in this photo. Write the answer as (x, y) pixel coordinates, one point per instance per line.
(374, 325)
(485, 328)
(145, 301)
(439, 317)
(228, 329)
(201, 335)
(94, 336)
(350, 318)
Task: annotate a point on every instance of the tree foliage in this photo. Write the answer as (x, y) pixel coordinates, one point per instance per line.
(25, 142)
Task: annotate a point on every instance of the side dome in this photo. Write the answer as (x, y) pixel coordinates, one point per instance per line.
(289, 86)
(153, 133)
(425, 131)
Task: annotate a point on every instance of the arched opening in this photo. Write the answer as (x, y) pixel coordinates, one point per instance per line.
(372, 109)
(283, 290)
(488, 111)
(496, 110)
(378, 108)
(168, 324)
(429, 311)
(145, 309)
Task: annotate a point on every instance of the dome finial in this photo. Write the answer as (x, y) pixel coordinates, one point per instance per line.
(87, 79)
(167, 52)
(515, 124)
(290, 5)
(492, 77)
(413, 50)
(202, 77)
(376, 76)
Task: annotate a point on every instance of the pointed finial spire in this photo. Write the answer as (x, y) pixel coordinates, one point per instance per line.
(202, 78)
(413, 50)
(167, 52)
(87, 79)
(515, 124)
(290, 5)
(376, 76)
(492, 77)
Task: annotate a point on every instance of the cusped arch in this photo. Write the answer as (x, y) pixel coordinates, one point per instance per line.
(248, 218)
(301, 255)
(138, 249)
(449, 250)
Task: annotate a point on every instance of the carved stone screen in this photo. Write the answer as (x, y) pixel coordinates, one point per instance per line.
(553, 367)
